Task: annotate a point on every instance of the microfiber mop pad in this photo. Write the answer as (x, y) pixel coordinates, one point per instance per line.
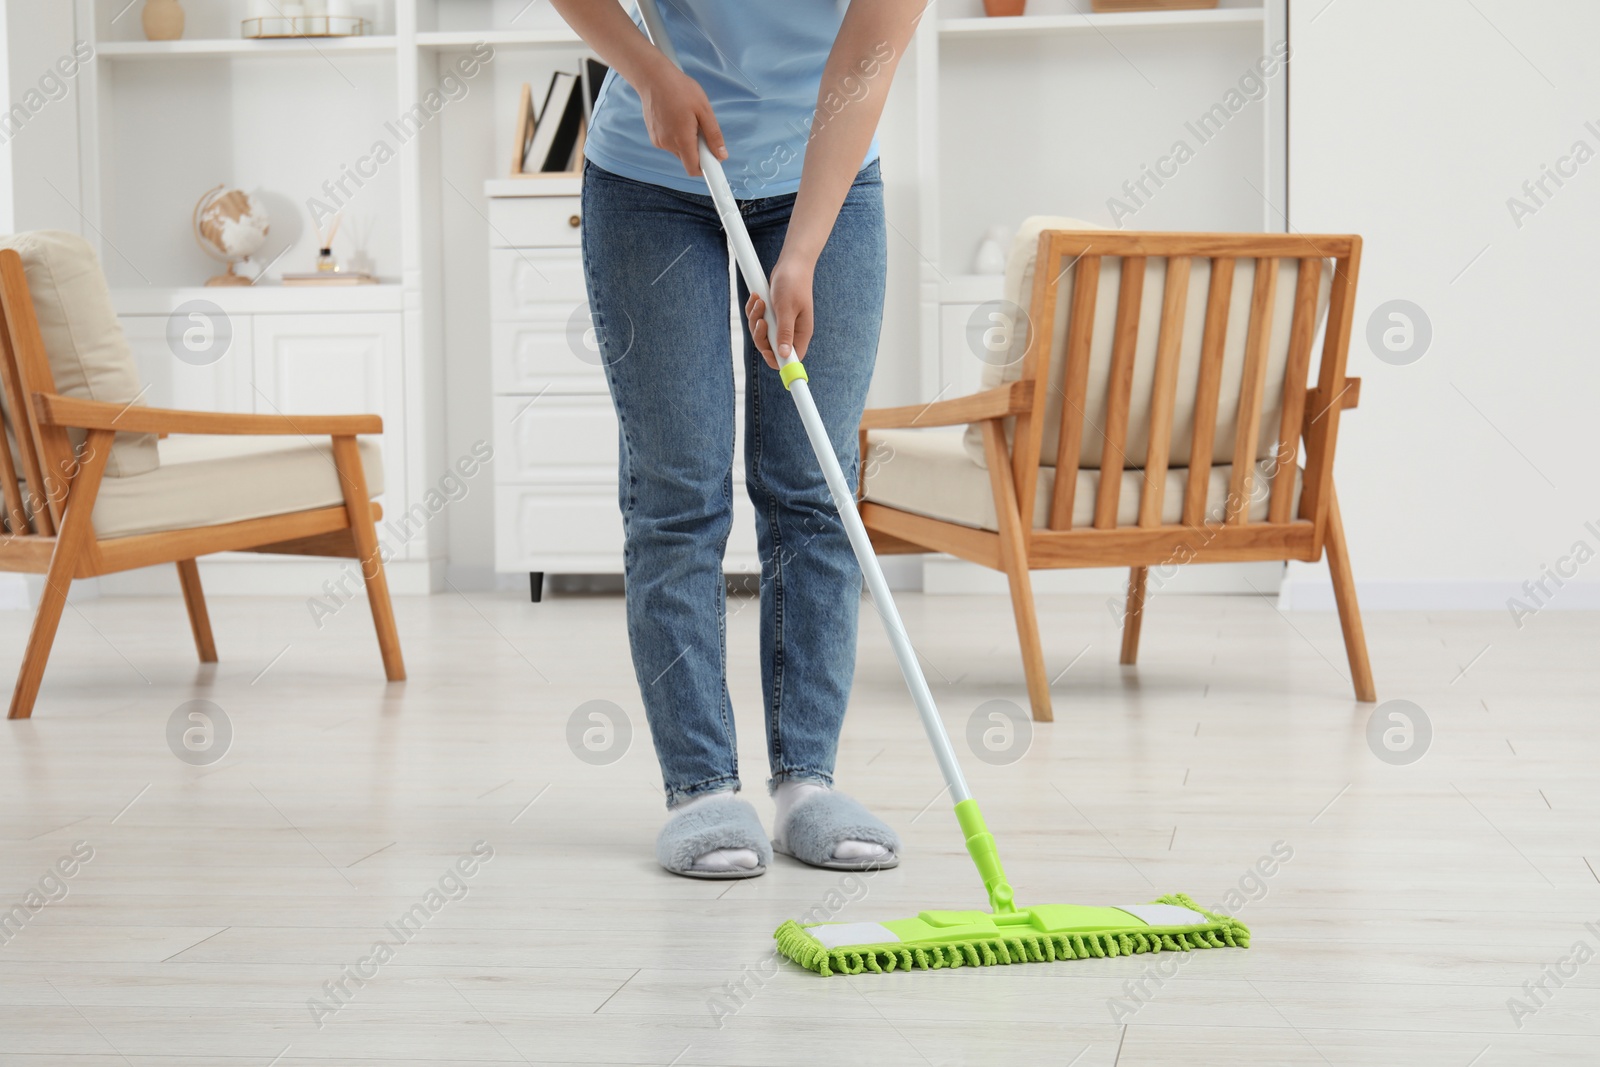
(1041, 934)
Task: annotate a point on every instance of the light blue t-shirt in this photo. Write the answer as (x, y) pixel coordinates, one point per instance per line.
(760, 63)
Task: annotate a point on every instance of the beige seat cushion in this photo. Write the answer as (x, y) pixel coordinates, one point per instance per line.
(1007, 367)
(929, 472)
(203, 481)
(88, 352)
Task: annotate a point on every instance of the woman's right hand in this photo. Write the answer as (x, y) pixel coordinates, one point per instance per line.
(676, 111)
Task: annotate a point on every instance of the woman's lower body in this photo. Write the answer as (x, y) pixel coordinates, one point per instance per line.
(657, 268)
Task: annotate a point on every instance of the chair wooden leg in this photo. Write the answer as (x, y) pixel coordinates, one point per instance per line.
(1344, 593)
(1028, 636)
(53, 601)
(75, 535)
(1132, 618)
(194, 598)
(358, 505)
(1014, 560)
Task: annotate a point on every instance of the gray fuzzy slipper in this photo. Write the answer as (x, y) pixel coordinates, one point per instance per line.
(690, 834)
(818, 823)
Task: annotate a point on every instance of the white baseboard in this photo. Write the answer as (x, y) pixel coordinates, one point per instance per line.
(946, 575)
(935, 574)
(290, 576)
(17, 592)
(1312, 593)
(904, 574)
(476, 579)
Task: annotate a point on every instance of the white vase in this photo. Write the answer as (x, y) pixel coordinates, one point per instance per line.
(991, 258)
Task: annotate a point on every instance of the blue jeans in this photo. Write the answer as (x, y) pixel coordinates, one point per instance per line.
(656, 265)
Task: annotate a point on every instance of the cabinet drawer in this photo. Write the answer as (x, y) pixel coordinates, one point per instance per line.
(526, 282)
(555, 439)
(573, 529)
(578, 530)
(534, 222)
(537, 354)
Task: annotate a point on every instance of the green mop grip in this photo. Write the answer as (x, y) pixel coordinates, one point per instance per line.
(980, 844)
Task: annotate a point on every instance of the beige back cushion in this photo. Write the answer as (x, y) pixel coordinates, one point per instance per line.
(88, 352)
(1008, 368)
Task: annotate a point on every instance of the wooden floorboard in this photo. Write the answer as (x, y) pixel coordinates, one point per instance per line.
(222, 897)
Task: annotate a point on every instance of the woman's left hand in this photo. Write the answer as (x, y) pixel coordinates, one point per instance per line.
(791, 301)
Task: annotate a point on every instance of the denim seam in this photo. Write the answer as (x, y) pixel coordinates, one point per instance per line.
(703, 787)
(801, 774)
(625, 456)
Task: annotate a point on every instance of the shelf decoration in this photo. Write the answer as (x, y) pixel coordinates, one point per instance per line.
(276, 19)
(230, 225)
(1003, 8)
(991, 257)
(162, 19)
(326, 262)
(328, 271)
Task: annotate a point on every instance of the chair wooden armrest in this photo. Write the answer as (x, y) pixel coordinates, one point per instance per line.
(1317, 405)
(53, 409)
(995, 403)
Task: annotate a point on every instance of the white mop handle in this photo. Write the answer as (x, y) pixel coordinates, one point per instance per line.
(755, 279)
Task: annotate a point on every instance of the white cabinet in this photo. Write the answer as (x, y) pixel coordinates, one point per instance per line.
(532, 355)
(535, 283)
(274, 350)
(333, 364)
(567, 440)
(555, 430)
(206, 384)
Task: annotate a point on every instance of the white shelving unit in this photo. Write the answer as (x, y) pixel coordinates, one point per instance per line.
(160, 123)
(1050, 113)
(297, 121)
(990, 120)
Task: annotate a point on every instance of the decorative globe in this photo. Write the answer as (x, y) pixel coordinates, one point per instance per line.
(231, 225)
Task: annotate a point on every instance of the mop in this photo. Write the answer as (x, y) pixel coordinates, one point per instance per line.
(1006, 933)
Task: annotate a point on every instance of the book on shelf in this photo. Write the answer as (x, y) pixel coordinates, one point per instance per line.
(525, 124)
(547, 121)
(550, 138)
(594, 75)
(568, 119)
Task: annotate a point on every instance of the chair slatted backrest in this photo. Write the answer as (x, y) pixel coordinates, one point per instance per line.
(1236, 316)
(47, 459)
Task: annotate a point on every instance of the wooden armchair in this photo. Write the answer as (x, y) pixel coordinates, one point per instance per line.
(1149, 411)
(92, 489)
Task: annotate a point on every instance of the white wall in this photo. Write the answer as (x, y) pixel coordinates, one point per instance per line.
(7, 184)
(1463, 474)
(46, 187)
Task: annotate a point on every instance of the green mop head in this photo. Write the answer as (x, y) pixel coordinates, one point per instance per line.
(1040, 934)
